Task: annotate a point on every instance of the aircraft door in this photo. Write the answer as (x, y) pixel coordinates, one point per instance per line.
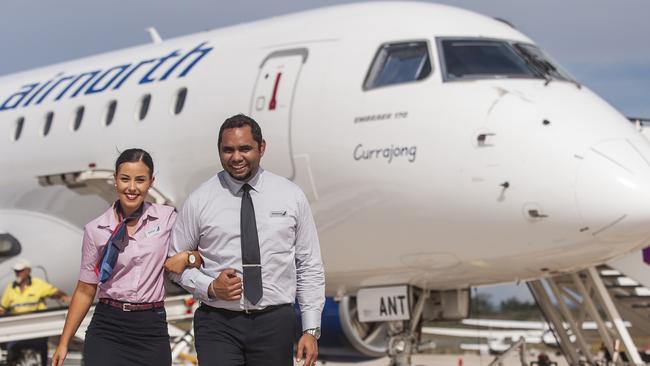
(271, 106)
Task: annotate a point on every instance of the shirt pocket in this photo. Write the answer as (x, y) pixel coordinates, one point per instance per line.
(152, 248)
(280, 229)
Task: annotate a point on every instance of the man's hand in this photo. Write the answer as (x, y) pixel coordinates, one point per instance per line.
(226, 287)
(308, 347)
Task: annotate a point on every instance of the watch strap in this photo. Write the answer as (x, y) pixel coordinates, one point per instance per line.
(313, 331)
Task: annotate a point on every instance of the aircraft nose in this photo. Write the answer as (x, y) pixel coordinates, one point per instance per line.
(613, 191)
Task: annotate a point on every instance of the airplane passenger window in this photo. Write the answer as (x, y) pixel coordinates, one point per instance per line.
(144, 106)
(78, 118)
(180, 100)
(49, 117)
(20, 123)
(398, 63)
(475, 58)
(110, 112)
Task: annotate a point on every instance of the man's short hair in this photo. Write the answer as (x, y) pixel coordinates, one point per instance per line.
(241, 120)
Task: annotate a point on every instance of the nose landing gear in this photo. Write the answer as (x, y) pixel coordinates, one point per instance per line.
(404, 336)
(400, 339)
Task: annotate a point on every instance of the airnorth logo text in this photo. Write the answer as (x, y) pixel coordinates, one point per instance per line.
(97, 81)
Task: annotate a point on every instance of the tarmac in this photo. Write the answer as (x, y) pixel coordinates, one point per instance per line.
(451, 360)
(418, 360)
(469, 359)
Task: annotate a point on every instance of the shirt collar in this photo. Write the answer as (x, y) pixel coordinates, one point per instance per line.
(234, 185)
(108, 220)
(29, 282)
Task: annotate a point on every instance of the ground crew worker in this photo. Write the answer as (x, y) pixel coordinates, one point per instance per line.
(25, 295)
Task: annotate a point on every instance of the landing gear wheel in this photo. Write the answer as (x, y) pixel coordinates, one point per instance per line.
(405, 335)
(400, 345)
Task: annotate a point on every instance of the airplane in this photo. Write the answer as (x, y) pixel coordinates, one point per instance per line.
(440, 149)
(496, 336)
(500, 334)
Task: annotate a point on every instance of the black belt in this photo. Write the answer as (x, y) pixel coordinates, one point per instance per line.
(127, 306)
(244, 311)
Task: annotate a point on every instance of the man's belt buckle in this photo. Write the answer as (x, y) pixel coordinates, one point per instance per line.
(126, 306)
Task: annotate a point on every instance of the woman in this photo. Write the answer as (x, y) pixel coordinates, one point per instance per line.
(123, 254)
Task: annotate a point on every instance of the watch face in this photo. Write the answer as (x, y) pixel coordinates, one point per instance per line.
(192, 259)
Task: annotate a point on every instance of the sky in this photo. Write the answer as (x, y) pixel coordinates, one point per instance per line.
(604, 44)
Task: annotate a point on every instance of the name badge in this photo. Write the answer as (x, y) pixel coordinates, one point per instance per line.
(278, 213)
(152, 232)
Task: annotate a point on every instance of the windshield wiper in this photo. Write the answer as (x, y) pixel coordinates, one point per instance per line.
(543, 68)
(551, 70)
(546, 69)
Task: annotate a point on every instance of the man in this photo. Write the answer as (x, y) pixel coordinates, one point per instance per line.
(25, 295)
(260, 250)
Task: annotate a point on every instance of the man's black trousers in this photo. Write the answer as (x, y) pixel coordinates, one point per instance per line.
(235, 338)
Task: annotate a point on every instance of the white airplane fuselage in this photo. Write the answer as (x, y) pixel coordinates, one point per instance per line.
(435, 183)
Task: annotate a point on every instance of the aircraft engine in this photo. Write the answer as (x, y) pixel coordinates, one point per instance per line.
(346, 339)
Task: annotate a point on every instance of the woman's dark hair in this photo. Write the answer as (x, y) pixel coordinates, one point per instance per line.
(133, 156)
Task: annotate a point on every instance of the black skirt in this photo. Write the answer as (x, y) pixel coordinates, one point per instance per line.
(121, 338)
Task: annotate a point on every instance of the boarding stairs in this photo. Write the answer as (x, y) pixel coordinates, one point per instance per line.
(631, 298)
(604, 296)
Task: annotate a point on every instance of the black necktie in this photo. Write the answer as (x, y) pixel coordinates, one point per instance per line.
(250, 249)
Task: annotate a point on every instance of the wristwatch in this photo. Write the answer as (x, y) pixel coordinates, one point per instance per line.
(313, 331)
(191, 258)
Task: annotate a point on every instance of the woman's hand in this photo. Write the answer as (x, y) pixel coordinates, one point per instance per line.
(181, 260)
(59, 355)
(177, 263)
(82, 298)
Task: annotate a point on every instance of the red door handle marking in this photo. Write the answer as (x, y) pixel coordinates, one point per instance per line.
(273, 103)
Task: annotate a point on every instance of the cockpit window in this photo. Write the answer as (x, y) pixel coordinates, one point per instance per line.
(397, 63)
(482, 59)
(473, 58)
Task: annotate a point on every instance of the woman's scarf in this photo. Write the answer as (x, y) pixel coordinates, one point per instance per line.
(116, 242)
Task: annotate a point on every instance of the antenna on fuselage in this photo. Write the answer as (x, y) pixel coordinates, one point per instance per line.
(155, 36)
(506, 22)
